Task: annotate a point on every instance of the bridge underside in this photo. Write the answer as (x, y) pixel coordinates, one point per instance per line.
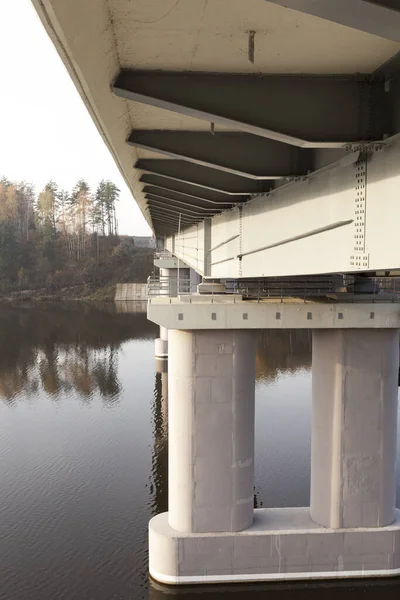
(211, 108)
(260, 141)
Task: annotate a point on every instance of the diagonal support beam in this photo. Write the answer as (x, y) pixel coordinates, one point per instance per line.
(186, 199)
(310, 111)
(202, 177)
(182, 206)
(172, 218)
(169, 206)
(236, 153)
(377, 17)
(193, 191)
(168, 210)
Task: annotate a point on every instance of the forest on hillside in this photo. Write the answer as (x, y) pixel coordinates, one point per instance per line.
(58, 239)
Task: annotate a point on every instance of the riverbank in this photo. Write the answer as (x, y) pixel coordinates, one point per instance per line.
(74, 293)
(90, 282)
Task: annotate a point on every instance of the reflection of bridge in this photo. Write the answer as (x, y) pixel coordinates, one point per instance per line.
(260, 142)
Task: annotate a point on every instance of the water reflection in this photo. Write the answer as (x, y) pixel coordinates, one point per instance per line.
(84, 455)
(58, 350)
(282, 351)
(159, 471)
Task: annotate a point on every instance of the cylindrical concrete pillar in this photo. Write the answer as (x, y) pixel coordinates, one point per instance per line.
(354, 427)
(169, 282)
(161, 344)
(211, 384)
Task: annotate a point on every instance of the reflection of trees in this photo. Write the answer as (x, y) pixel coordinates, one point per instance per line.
(159, 470)
(282, 350)
(62, 349)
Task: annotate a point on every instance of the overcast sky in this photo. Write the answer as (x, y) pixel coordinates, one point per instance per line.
(45, 129)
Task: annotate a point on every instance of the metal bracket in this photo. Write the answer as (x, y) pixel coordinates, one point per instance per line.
(364, 147)
(359, 259)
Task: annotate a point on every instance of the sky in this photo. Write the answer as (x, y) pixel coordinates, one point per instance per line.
(45, 130)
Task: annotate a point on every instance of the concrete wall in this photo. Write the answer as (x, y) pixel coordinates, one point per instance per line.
(130, 291)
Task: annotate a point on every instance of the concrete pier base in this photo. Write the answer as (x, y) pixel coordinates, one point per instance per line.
(282, 544)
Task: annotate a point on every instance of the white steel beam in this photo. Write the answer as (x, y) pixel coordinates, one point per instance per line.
(341, 219)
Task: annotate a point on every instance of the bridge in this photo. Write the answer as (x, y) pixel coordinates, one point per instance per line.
(261, 142)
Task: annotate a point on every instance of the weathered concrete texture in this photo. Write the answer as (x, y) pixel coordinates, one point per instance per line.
(282, 544)
(354, 429)
(130, 291)
(211, 430)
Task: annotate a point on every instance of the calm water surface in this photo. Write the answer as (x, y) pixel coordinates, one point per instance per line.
(83, 456)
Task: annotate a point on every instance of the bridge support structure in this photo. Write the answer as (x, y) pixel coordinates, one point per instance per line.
(175, 277)
(211, 532)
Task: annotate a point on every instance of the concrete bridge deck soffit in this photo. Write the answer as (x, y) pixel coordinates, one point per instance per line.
(206, 103)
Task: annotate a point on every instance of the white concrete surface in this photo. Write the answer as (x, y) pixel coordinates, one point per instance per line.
(211, 380)
(161, 348)
(161, 344)
(354, 427)
(282, 544)
(231, 312)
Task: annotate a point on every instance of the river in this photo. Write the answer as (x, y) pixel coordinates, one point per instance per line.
(83, 456)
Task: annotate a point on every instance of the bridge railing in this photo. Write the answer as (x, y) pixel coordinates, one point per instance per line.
(169, 286)
(343, 288)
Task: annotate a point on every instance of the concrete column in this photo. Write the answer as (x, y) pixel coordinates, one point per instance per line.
(170, 281)
(171, 276)
(161, 344)
(211, 430)
(195, 279)
(354, 427)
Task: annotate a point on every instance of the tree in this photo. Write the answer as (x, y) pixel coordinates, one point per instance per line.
(47, 205)
(107, 194)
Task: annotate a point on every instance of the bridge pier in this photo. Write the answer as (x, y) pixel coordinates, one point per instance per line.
(211, 532)
(169, 267)
(354, 427)
(211, 429)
